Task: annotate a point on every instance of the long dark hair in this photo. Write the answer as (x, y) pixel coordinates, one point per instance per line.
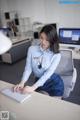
(52, 37)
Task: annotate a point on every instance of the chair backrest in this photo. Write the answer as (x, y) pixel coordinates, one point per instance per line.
(65, 66)
(65, 70)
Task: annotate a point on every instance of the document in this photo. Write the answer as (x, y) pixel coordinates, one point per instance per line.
(75, 37)
(67, 33)
(15, 95)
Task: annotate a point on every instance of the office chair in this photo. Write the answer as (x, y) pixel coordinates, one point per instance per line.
(67, 71)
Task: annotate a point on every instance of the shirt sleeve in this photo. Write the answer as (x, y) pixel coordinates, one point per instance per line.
(28, 66)
(47, 74)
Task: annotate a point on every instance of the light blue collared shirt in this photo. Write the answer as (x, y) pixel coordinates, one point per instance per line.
(48, 60)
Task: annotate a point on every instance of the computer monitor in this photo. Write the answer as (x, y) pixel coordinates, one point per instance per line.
(70, 37)
(54, 25)
(36, 33)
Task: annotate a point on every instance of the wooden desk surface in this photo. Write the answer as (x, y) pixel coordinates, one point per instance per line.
(40, 107)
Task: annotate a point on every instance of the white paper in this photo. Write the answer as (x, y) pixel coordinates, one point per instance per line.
(15, 95)
(75, 37)
(67, 33)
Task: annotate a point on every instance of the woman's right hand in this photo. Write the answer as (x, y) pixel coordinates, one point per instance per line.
(18, 87)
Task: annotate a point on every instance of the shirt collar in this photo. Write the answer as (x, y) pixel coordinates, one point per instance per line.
(42, 50)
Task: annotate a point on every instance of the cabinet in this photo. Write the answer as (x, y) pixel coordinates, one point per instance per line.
(16, 25)
(25, 27)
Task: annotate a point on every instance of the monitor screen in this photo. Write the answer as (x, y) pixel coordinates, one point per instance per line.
(5, 31)
(69, 36)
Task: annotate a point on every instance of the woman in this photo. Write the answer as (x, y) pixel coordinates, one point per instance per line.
(43, 60)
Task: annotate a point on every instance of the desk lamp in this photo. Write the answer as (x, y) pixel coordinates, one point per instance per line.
(5, 43)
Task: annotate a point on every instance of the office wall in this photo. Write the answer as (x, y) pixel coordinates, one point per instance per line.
(4, 5)
(3, 8)
(46, 11)
(29, 8)
(23, 7)
(66, 15)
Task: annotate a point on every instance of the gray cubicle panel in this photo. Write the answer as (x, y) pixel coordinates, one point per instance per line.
(17, 52)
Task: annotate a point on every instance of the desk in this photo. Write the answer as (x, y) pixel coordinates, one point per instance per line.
(40, 107)
(75, 51)
(76, 54)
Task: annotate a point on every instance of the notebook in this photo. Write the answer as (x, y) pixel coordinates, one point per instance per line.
(15, 95)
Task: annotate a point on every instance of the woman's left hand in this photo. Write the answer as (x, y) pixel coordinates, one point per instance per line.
(28, 89)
